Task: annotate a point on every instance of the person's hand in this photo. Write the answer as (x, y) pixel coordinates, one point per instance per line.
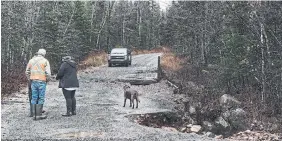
(51, 79)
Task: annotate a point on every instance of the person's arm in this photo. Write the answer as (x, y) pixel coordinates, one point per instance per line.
(61, 72)
(48, 70)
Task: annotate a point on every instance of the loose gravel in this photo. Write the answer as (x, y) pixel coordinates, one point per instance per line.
(100, 115)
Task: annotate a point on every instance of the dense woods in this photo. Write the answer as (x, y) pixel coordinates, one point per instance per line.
(238, 45)
(71, 28)
(240, 40)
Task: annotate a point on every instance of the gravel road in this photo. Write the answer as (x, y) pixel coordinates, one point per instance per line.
(100, 115)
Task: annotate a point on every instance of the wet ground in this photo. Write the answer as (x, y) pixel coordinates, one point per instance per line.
(100, 114)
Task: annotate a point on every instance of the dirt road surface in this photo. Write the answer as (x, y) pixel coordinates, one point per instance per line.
(100, 115)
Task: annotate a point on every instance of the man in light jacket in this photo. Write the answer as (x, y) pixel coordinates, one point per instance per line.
(38, 72)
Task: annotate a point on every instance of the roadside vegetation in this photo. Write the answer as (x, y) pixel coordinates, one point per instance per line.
(218, 113)
(94, 59)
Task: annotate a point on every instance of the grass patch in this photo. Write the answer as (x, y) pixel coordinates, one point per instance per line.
(171, 62)
(94, 59)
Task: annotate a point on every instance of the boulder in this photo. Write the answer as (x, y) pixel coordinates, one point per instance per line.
(208, 126)
(210, 134)
(237, 119)
(192, 110)
(222, 122)
(219, 137)
(188, 130)
(183, 129)
(189, 125)
(196, 128)
(171, 129)
(221, 126)
(229, 102)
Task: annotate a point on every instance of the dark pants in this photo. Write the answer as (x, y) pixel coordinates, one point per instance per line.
(70, 100)
(29, 92)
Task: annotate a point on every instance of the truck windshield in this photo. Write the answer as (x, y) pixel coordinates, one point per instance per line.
(118, 51)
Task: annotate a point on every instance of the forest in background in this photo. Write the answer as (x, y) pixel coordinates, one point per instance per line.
(232, 47)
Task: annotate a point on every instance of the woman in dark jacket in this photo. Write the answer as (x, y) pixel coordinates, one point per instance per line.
(69, 83)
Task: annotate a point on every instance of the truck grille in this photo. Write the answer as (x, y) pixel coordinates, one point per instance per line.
(117, 57)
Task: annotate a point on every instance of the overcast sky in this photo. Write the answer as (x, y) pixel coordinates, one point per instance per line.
(164, 3)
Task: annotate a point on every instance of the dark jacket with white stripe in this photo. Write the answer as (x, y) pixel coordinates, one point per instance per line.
(68, 75)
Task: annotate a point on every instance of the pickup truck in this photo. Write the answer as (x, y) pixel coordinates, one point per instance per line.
(120, 56)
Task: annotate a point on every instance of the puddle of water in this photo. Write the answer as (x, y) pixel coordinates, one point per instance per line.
(157, 120)
(88, 134)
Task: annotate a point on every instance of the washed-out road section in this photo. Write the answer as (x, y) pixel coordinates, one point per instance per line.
(100, 111)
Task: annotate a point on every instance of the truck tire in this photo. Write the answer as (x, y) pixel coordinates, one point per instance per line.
(126, 64)
(110, 64)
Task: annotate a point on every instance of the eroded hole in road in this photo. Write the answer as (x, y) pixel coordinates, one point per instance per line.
(83, 134)
(157, 120)
(139, 84)
(171, 121)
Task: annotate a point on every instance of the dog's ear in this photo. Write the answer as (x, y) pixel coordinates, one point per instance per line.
(125, 87)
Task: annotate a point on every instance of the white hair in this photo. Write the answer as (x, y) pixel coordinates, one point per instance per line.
(41, 52)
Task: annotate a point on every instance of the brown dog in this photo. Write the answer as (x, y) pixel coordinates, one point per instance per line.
(131, 95)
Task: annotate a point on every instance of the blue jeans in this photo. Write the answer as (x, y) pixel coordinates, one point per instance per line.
(38, 92)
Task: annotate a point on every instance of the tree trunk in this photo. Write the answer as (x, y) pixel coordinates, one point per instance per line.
(262, 64)
(139, 26)
(123, 30)
(92, 19)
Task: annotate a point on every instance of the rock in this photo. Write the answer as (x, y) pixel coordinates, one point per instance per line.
(183, 129)
(177, 101)
(210, 134)
(248, 131)
(191, 120)
(192, 110)
(254, 135)
(189, 125)
(226, 114)
(237, 119)
(196, 128)
(171, 129)
(228, 102)
(188, 130)
(221, 121)
(191, 84)
(208, 125)
(219, 137)
(274, 127)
